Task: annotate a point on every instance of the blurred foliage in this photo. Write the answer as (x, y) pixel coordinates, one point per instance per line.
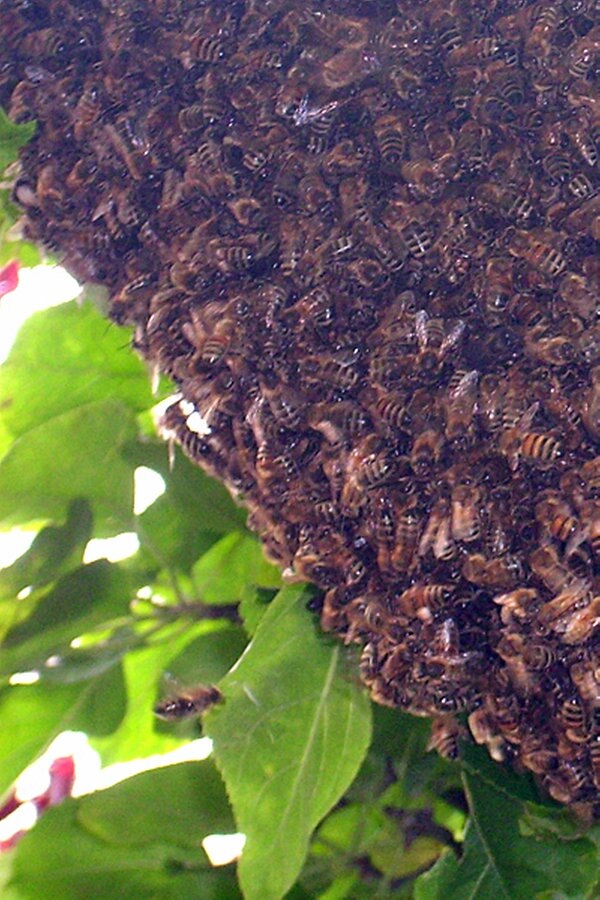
(12, 137)
(337, 798)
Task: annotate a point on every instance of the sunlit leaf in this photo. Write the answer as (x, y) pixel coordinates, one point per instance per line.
(190, 516)
(96, 363)
(133, 811)
(62, 459)
(288, 739)
(233, 568)
(60, 857)
(208, 657)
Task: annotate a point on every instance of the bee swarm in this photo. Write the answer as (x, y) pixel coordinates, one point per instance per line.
(363, 239)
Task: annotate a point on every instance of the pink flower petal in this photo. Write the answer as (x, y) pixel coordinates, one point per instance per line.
(9, 277)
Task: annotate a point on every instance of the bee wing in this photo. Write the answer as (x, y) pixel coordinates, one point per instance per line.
(421, 320)
(170, 684)
(526, 420)
(466, 387)
(452, 338)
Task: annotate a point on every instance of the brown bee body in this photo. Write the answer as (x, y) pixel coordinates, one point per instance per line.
(188, 702)
(445, 735)
(422, 600)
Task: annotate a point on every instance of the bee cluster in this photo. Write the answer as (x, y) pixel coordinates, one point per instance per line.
(363, 240)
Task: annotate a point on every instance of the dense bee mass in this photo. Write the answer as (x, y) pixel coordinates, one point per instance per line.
(362, 238)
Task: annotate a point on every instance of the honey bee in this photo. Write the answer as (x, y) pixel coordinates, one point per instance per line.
(472, 146)
(367, 615)
(188, 702)
(86, 112)
(426, 451)
(347, 66)
(445, 735)
(366, 468)
(554, 514)
(519, 604)
(435, 340)
(460, 409)
(191, 118)
(503, 572)
(537, 253)
(449, 34)
(575, 290)
(539, 657)
(418, 238)
(582, 137)
(403, 555)
(481, 727)
(465, 513)
(585, 679)
(594, 752)
(518, 441)
(286, 405)
(550, 350)
(45, 43)
(546, 564)
(590, 413)
(390, 407)
(497, 288)
(436, 535)
(340, 423)
(536, 757)
(423, 177)
(423, 600)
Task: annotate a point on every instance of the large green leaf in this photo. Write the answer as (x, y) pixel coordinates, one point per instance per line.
(500, 862)
(191, 515)
(62, 858)
(233, 568)
(289, 739)
(76, 454)
(64, 358)
(208, 657)
(132, 812)
(34, 715)
(12, 137)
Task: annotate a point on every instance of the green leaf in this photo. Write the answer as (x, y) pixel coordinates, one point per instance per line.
(233, 568)
(132, 812)
(76, 454)
(497, 860)
(289, 739)
(208, 657)
(253, 607)
(34, 715)
(190, 516)
(61, 858)
(79, 602)
(54, 550)
(541, 821)
(64, 358)
(12, 138)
